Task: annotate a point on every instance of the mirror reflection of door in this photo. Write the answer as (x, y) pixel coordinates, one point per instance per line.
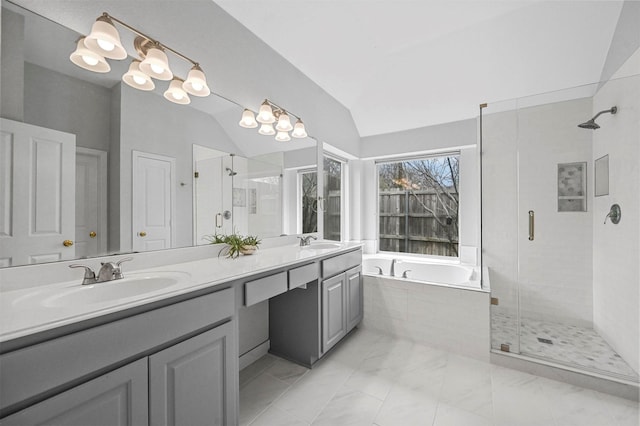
(37, 192)
(91, 202)
(214, 171)
(153, 201)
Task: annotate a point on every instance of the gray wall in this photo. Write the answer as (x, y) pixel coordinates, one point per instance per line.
(441, 136)
(12, 66)
(151, 124)
(57, 101)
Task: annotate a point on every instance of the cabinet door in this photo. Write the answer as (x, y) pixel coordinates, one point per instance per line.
(354, 297)
(116, 398)
(192, 383)
(334, 319)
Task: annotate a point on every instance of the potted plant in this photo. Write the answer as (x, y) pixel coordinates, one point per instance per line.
(235, 244)
(250, 244)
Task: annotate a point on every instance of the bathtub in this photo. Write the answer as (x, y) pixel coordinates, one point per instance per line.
(440, 305)
(423, 271)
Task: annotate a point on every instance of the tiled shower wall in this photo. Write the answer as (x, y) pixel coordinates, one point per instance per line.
(616, 254)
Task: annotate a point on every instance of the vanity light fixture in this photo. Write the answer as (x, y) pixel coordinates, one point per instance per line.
(89, 60)
(176, 94)
(267, 130)
(136, 78)
(270, 113)
(104, 42)
(248, 120)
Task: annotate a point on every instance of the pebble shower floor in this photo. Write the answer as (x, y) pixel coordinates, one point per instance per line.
(570, 344)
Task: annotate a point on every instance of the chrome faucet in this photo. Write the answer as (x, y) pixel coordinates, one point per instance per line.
(305, 241)
(109, 271)
(392, 272)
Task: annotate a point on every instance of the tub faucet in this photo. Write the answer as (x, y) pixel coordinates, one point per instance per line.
(392, 272)
(379, 270)
(305, 241)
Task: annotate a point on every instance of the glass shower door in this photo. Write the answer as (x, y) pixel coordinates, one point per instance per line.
(554, 226)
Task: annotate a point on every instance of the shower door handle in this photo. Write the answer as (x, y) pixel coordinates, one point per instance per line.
(531, 225)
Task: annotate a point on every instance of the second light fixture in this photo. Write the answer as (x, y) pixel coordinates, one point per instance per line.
(270, 113)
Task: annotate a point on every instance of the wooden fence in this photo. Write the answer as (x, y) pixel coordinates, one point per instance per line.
(407, 227)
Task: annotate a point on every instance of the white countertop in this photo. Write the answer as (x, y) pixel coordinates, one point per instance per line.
(36, 309)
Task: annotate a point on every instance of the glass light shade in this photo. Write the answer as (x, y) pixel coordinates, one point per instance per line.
(284, 123)
(196, 83)
(156, 64)
(176, 94)
(105, 40)
(267, 129)
(265, 114)
(283, 137)
(136, 78)
(89, 60)
(248, 121)
(298, 130)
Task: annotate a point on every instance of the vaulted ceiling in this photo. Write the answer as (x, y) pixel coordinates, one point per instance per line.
(403, 64)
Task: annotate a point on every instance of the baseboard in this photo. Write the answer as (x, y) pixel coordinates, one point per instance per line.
(254, 354)
(617, 387)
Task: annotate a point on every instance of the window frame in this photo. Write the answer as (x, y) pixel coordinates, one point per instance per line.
(299, 192)
(344, 166)
(391, 160)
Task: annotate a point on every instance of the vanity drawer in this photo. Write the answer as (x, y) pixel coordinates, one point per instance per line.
(302, 275)
(264, 288)
(341, 263)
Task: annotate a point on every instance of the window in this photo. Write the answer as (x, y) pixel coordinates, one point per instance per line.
(418, 203)
(308, 184)
(332, 217)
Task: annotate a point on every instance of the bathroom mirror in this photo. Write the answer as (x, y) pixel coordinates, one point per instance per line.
(124, 142)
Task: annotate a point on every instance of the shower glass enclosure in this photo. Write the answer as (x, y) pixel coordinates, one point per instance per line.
(564, 284)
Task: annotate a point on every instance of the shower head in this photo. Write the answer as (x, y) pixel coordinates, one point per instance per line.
(591, 124)
(231, 172)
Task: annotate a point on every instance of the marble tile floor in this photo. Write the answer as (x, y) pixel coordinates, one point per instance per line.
(372, 379)
(571, 345)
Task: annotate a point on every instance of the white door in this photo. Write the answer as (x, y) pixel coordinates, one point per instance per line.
(91, 202)
(37, 194)
(153, 201)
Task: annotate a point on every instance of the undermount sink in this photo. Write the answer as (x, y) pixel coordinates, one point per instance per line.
(322, 246)
(135, 284)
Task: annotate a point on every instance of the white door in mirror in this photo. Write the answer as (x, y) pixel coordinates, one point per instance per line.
(153, 201)
(41, 216)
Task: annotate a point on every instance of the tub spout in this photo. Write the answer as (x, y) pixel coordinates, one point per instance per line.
(379, 270)
(392, 272)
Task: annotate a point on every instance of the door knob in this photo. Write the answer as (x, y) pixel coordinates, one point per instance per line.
(142, 234)
(92, 234)
(67, 243)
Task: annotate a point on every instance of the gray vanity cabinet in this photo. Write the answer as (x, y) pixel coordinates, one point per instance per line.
(355, 299)
(342, 304)
(334, 304)
(188, 381)
(180, 368)
(117, 398)
(308, 320)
